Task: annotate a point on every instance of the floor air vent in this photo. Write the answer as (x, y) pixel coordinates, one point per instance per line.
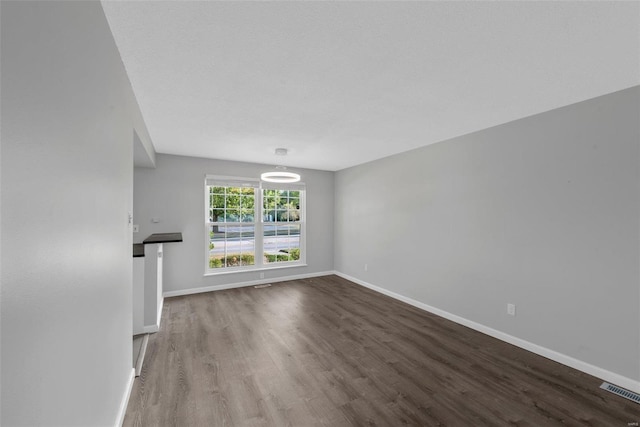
(262, 286)
(634, 397)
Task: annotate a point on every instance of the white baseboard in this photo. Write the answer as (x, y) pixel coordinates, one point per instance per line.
(143, 350)
(125, 399)
(612, 377)
(191, 291)
(139, 331)
(150, 329)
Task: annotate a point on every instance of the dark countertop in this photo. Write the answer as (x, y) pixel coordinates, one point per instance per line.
(163, 238)
(138, 250)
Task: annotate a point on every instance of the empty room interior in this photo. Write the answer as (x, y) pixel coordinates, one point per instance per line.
(320, 213)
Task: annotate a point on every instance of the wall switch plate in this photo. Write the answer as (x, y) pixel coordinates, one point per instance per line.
(511, 309)
(366, 267)
(136, 228)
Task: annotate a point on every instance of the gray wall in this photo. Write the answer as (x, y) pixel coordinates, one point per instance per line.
(68, 118)
(173, 192)
(541, 212)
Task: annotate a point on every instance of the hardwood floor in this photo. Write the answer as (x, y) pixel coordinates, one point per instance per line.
(325, 351)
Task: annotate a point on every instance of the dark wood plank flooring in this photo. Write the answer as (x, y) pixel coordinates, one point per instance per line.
(325, 351)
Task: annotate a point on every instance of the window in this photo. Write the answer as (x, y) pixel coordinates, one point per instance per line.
(250, 225)
(281, 229)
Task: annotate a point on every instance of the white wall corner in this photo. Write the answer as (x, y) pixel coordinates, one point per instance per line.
(152, 329)
(603, 374)
(160, 312)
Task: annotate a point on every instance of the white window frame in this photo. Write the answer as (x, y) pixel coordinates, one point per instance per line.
(259, 222)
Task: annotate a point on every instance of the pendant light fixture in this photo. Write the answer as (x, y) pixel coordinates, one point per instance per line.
(280, 175)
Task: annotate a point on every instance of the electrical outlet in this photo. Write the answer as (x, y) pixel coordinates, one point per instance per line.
(262, 275)
(511, 309)
(136, 228)
(366, 267)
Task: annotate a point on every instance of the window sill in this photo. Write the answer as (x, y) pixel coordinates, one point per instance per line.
(251, 270)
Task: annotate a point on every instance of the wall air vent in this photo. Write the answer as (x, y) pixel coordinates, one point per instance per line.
(634, 397)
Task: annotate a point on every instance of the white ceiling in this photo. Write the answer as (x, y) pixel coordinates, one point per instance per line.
(343, 83)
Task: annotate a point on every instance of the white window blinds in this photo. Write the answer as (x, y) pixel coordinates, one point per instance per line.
(222, 181)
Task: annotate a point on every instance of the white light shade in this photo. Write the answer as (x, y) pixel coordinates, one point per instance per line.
(280, 177)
